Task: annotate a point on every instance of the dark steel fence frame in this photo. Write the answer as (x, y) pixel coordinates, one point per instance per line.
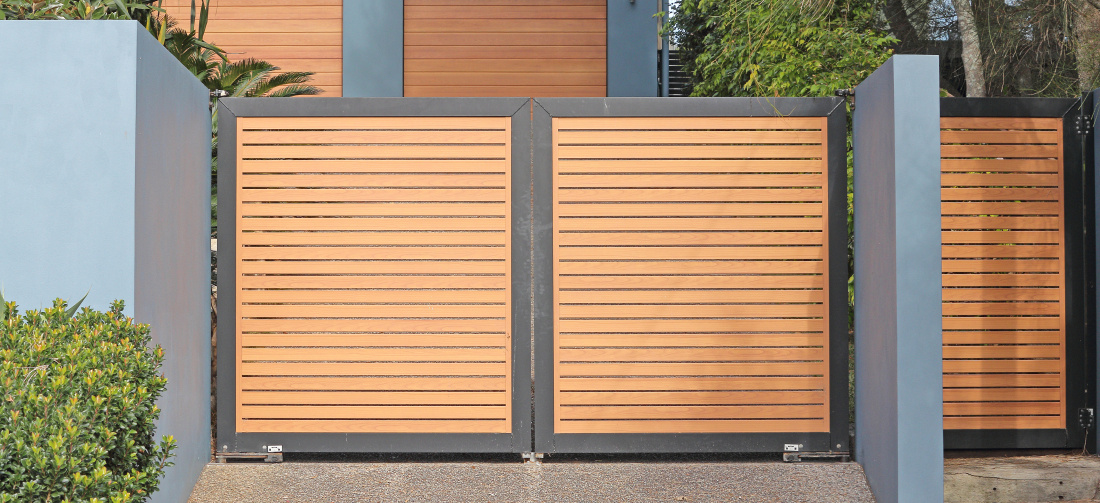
(519, 440)
(546, 440)
(1080, 361)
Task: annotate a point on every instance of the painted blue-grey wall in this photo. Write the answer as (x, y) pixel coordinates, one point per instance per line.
(898, 336)
(105, 181)
(632, 46)
(374, 45)
(172, 257)
(67, 162)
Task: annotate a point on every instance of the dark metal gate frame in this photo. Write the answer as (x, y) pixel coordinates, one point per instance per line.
(1078, 215)
(519, 440)
(546, 440)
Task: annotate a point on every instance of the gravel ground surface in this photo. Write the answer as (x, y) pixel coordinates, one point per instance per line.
(591, 479)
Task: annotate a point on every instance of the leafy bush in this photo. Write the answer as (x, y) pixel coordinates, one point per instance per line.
(77, 405)
(76, 9)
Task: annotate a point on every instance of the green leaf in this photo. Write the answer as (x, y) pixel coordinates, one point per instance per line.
(72, 310)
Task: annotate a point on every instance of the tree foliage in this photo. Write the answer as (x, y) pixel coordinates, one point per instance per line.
(139, 10)
(778, 47)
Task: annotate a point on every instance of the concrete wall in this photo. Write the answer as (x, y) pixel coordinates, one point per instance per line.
(632, 45)
(374, 48)
(898, 341)
(106, 184)
(67, 165)
(172, 244)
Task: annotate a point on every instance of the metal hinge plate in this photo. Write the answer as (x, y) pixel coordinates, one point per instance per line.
(1085, 416)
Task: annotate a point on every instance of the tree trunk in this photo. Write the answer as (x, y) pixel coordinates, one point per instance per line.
(1087, 26)
(971, 49)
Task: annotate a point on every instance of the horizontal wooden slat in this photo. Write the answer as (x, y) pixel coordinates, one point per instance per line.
(1003, 137)
(331, 384)
(503, 52)
(464, 296)
(999, 194)
(623, 384)
(692, 325)
(507, 26)
(435, 124)
(1001, 380)
(690, 369)
(692, 282)
(374, 369)
(687, 354)
(999, 279)
(690, 224)
(688, 426)
(691, 398)
(365, 135)
(999, 180)
(686, 311)
(405, 209)
(994, 251)
(254, 166)
(689, 238)
(1003, 408)
(1001, 237)
(697, 267)
(387, 151)
(688, 208)
(619, 166)
(373, 267)
(691, 253)
(491, 39)
(1001, 366)
(689, 180)
(725, 338)
(373, 398)
(374, 325)
(1003, 337)
(1002, 323)
(372, 311)
(381, 238)
(372, 412)
(373, 426)
(690, 152)
(374, 354)
(575, 65)
(1008, 352)
(1000, 294)
(373, 339)
(694, 137)
(566, 413)
(374, 224)
(1004, 423)
(687, 296)
(512, 12)
(1000, 394)
(1001, 265)
(373, 282)
(1015, 222)
(688, 123)
(1002, 309)
(542, 79)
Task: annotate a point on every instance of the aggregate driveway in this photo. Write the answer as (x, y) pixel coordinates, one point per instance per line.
(508, 480)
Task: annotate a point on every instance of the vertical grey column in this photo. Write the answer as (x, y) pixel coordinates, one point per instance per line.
(374, 48)
(632, 45)
(898, 338)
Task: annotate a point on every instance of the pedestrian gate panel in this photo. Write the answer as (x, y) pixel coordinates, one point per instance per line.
(1013, 279)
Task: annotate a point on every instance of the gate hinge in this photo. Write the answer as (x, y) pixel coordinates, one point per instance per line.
(1082, 125)
(1085, 416)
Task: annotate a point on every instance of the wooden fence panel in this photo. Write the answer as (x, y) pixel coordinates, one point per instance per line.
(690, 284)
(373, 275)
(1004, 267)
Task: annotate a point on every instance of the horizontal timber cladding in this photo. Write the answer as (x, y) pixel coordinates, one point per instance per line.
(505, 48)
(374, 279)
(690, 284)
(294, 35)
(1004, 273)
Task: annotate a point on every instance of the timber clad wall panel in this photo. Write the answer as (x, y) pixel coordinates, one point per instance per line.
(690, 279)
(505, 48)
(373, 275)
(294, 35)
(1003, 273)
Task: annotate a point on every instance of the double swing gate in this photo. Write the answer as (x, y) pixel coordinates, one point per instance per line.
(615, 275)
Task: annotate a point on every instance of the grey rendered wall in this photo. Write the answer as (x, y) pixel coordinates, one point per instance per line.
(172, 266)
(105, 182)
(374, 45)
(632, 45)
(898, 341)
(67, 164)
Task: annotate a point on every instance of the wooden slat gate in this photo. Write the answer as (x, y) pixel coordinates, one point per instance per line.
(1013, 273)
(690, 275)
(374, 275)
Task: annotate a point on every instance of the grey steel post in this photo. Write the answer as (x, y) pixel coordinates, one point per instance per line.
(898, 317)
(374, 49)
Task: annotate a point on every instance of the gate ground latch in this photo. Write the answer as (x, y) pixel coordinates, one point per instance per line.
(532, 458)
(274, 454)
(795, 457)
(1085, 417)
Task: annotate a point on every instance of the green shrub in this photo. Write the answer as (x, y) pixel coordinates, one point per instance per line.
(77, 405)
